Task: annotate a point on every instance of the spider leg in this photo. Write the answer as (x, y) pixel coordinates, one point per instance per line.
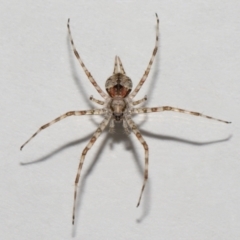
(86, 149)
(71, 113)
(104, 95)
(140, 101)
(145, 75)
(96, 100)
(145, 146)
(167, 108)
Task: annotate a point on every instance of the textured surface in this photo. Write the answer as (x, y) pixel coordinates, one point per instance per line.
(194, 182)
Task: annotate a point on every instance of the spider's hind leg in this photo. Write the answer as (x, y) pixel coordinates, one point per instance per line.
(146, 150)
(84, 153)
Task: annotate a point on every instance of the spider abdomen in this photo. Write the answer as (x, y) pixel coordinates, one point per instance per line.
(118, 85)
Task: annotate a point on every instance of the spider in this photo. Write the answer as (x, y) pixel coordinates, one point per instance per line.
(118, 107)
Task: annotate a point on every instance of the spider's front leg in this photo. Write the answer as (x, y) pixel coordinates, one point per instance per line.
(168, 108)
(93, 139)
(90, 77)
(145, 146)
(145, 75)
(68, 114)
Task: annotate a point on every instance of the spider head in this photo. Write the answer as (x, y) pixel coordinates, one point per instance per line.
(118, 85)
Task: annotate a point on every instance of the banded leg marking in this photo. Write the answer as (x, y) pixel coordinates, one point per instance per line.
(71, 113)
(86, 149)
(90, 77)
(145, 146)
(140, 101)
(168, 108)
(96, 100)
(144, 77)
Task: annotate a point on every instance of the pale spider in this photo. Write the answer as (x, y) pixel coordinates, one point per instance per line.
(118, 106)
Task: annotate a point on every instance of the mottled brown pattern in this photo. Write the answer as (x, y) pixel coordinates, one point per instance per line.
(57, 119)
(69, 113)
(195, 113)
(104, 95)
(93, 139)
(155, 51)
(85, 151)
(145, 146)
(77, 55)
(167, 108)
(99, 130)
(44, 126)
(140, 101)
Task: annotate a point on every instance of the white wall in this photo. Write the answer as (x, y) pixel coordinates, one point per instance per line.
(194, 182)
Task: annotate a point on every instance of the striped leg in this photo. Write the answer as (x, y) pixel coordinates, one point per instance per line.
(86, 149)
(96, 100)
(104, 95)
(71, 113)
(144, 77)
(167, 108)
(140, 101)
(145, 146)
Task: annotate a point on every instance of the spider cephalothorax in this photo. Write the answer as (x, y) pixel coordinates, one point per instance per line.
(118, 106)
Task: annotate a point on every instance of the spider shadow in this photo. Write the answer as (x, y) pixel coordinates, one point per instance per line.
(58, 150)
(115, 139)
(182, 140)
(146, 206)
